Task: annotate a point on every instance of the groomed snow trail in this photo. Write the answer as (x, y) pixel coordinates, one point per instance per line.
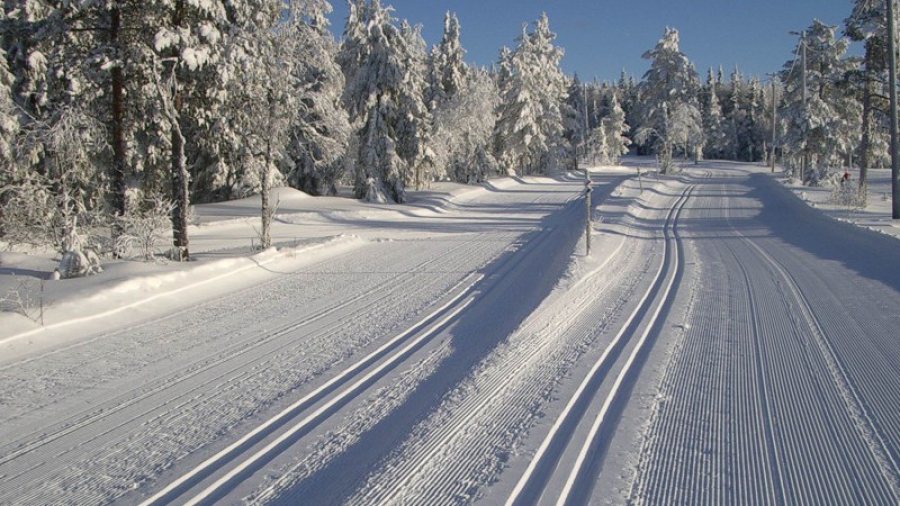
(725, 344)
(783, 389)
(122, 414)
(469, 441)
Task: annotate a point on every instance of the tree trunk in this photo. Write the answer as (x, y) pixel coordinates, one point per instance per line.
(179, 174)
(266, 233)
(117, 130)
(180, 194)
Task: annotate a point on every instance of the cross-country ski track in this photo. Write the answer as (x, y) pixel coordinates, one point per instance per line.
(722, 344)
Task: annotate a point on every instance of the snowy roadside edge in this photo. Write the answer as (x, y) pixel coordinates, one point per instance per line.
(126, 293)
(140, 290)
(880, 224)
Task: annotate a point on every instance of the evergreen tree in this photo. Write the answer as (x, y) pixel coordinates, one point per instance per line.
(321, 128)
(383, 101)
(447, 69)
(463, 129)
(825, 128)
(756, 127)
(414, 130)
(530, 125)
(867, 23)
(613, 131)
(188, 46)
(629, 96)
(714, 130)
(575, 121)
(58, 56)
(669, 106)
(735, 115)
(9, 123)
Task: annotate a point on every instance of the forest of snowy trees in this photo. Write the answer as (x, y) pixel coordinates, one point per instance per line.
(117, 115)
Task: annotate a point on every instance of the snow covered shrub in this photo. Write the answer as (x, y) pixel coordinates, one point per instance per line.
(845, 194)
(373, 192)
(57, 200)
(666, 163)
(813, 177)
(144, 227)
(26, 299)
(79, 263)
(26, 206)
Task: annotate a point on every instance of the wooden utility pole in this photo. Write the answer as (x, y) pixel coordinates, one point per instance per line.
(892, 79)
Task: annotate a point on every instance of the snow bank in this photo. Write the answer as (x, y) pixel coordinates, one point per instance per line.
(875, 215)
(194, 282)
(222, 245)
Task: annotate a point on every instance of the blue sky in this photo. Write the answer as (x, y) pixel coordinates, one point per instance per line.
(602, 37)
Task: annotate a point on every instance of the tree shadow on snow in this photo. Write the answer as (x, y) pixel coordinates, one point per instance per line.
(502, 303)
(872, 255)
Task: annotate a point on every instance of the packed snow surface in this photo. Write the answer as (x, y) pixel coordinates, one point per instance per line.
(722, 343)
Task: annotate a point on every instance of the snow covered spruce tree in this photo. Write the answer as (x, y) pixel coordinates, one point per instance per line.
(114, 30)
(447, 70)
(613, 133)
(669, 115)
(384, 100)
(867, 23)
(576, 121)
(462, 102)
(822, 130)
(320, 129)
(735, 115)
(629, 98)
(745, 124)
(91, 53)
(415, 134)
(463, 130)
(9, 122)
(529, 132)
(713, 120)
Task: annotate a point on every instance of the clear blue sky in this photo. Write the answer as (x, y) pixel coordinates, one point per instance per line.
(602, 37)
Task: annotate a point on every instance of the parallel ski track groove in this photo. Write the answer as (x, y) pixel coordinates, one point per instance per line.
(673, 267)
(859, 413)
(660, 452)
(801, 461)
(192, 369)
(189, 371)
(391, 358)
(198, 367)
(548, 453)
(494, 402)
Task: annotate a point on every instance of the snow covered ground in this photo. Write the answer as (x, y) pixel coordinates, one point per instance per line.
(874, 215)
(723, 343)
